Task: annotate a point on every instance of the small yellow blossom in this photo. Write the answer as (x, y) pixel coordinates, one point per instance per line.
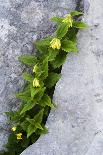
(55, 43)
(36, 83)
(19, 136)
(68, 19)
(35, 69)
(13, 129)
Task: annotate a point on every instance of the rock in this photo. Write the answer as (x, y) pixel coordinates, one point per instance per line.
(76, 125)
(21, 22)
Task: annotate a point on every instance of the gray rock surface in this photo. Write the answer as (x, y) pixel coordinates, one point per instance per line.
(21, 22)
(76, 126)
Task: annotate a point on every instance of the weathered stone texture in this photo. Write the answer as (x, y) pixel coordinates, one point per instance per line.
(21, 22)
(76, 126)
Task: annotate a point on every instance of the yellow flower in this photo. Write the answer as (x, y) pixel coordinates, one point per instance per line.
(13, 129)
(55, 43)
(36, 83)
(19, 136)
(35, 69)
(68, 19)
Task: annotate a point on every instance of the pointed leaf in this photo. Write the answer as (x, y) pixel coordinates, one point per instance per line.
(28, 59)
(38, 118)
(42, 45)
(52, 79)
(25, 96)
(59, 60)
(24, 125)
(80, 25)
(62, 30)
(27, 77)
(27, 107)
(69, 46)
(76, 13)
(52, 54)
(34, 91)
(56, 19)
(39, 95)
(38, 126)
(46, 101)
(44, 69)
(31, 130)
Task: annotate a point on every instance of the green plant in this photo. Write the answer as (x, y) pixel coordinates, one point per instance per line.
(28, 122)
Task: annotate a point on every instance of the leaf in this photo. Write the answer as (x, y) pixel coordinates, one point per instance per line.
(42, 45)
(31, 130)
(39, 117)
(41, 132)
(28, 60)
(25, 96)
(76, 13)
(41, 48)
(59, 60)
(36, 120)
(10, 114)
(57, 19)
(27, 107)
(46, 101)
(38, 126)
(34, 91)
(14, 116)
(72, 32)
(69, 46)
(45, 41)
(24, 125)
(52, 54)
(27, 77)
(31, 121)
(62, 30)
(80, 25)
(52, 79)
(39, 95)
(44, 69)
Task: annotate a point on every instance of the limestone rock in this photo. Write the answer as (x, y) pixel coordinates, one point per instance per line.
(21, 22)
(76, 125)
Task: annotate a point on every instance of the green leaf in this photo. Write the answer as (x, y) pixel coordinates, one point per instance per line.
(14, 115)
(34, 91)
(46, 101)
(76, 13)
(62, 30)
(39, 117)
(57, 19)
(25, 96)
(45, 42)
(42, 45)
(10, 114)
(80, 25)
(59, 60)
(38, 126)
(69, 46)
(72, 32)
(44, 69)
(24, 125)
(52, 54)
(52, 79)
(39, 95)
(27, 77)
(28, 60)
(31, 121)
(27, 107)
(41, 132)
(31, 130)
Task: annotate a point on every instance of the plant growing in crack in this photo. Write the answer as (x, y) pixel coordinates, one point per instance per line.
(28, 122)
